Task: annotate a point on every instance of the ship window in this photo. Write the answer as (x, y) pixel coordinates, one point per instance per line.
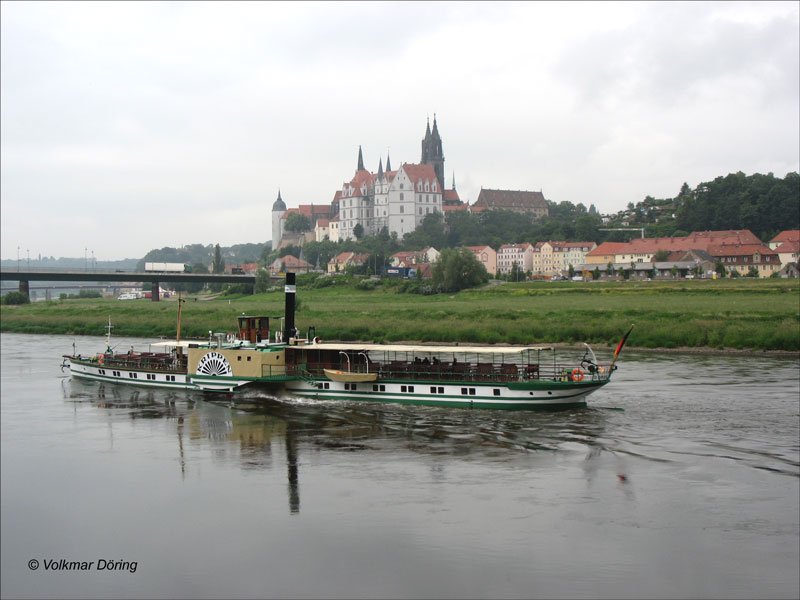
(383, 388)
(411, 388)
(239, 358)
(433, 389)
(249, 358)
(496, 391)
(374, 388)
(463, 391)
(327, 385)
(403, 388)
(441, 390)
(471, 391)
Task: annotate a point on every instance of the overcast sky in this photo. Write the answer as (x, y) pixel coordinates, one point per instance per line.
(133, 126)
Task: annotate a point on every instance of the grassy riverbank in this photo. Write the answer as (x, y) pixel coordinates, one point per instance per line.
(723, 314)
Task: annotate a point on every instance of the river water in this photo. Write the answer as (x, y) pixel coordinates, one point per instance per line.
(680, 480)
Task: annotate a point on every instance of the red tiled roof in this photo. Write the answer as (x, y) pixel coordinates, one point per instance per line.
(790, 235)
(290, 261)
(787, 247)
(510, 199)
(451, 196)
(608, 248)
(419, 172)
(740, 250)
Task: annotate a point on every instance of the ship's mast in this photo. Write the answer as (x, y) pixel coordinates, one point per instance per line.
(109, 327)
(178, 333)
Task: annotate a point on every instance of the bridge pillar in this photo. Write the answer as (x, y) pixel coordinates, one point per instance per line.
(25, 288)
(155, 289)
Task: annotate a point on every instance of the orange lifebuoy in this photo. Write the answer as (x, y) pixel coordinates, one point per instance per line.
(577, 374)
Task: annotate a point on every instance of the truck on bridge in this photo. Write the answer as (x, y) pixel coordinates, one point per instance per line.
(165, 267)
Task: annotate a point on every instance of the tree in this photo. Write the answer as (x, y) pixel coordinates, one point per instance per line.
(217, 264)
(297, 222)
(661, 256)
(516, 273)
(358, 231)
(262, 283)
(458, 269)
(16, 298)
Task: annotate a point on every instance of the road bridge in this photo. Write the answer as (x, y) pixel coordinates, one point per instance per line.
(25, 276)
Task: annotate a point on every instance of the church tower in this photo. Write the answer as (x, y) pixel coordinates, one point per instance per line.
(432, 151)
(278, 210)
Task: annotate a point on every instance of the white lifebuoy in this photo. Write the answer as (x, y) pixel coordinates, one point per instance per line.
(317, 340)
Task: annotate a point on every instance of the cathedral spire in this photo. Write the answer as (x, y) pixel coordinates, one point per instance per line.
(360, 160)
(435, 127)
(454, 180)
(380, 167)
(388, 163)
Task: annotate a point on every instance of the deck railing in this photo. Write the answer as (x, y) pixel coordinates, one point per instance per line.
(467, 371)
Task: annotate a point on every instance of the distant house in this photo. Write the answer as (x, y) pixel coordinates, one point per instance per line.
(532, 203)
(555, 258)
(346, 259)
(790, 270)
(605, 253)
(322, 230)
(790, 235)
(742, 257)
(245, 268)
(788, 252)
(289, 264)
(487, 256)
(410, 258)
(519, 254)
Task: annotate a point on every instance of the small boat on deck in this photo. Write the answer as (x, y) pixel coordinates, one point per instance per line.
(283, 363)
(349, 376)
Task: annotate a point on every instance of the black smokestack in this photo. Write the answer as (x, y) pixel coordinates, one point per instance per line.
(290, 291)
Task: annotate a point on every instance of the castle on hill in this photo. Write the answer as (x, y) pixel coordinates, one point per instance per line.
(398, 200)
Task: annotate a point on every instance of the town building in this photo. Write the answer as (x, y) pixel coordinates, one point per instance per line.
(510, 254)
(341, 261)
(487, 256)
(555, 258)
(289, 264)
(531, 203)
(737, 250)
(410, 258)
(789, 235)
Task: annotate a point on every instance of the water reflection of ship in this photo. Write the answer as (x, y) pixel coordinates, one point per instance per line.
(255, 434)
(220, 426)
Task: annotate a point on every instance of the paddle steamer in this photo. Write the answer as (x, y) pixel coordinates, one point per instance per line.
(283, 362)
